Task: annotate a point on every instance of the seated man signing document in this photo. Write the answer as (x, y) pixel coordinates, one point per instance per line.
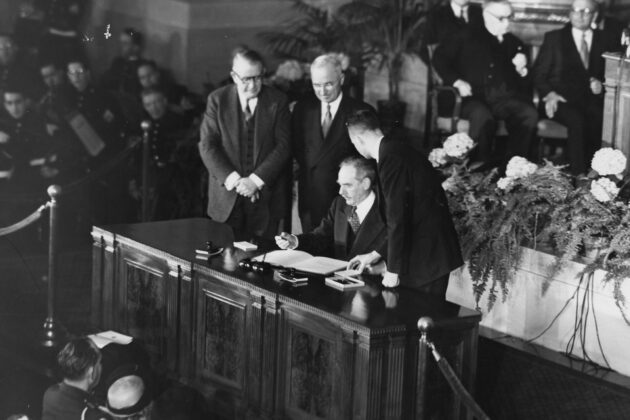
(353, 225)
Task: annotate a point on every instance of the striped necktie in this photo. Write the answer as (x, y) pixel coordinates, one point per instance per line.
(353, 220)
(584, 50)
(327, 121)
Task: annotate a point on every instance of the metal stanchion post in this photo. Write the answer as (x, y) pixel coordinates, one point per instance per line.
(146, 126)
(53, 332)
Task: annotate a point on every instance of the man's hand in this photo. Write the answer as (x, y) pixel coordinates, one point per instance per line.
(390, 279)
(286, 241)
(246, 187)
(360, 262)
(463, 88)
(520, 64)
(391, 298)
(378, 268)
(4, 137)
(551, 101)
(596, 86)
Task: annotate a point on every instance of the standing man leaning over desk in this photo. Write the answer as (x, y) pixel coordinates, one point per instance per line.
(353, 224)
(423, 247)
(245, 147)
(320, 138)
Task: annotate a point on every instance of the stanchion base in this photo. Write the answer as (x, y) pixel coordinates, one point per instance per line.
(52, 334)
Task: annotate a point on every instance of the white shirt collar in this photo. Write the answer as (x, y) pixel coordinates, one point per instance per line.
(363, 208)
(252, 102)
(334, 106)
(457, 10)
(377, 148)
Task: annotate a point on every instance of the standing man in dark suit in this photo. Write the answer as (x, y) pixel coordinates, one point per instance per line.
(245, 147)
(353, 224)
(488, 67)
(568, 75)
(422, 245)
(320, 139)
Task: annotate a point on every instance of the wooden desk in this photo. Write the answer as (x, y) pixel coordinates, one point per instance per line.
(266, 350)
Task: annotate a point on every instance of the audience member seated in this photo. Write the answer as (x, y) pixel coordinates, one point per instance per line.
(178, 97)
(320, 138)
(168, 133)
(23, 133)
(51, 104)
(15, 69)
(80, 365)
(568, 74)
(122, 75)
(488, 67)
(62, 38)
(353, 225)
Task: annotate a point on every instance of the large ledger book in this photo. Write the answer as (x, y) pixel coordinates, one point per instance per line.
(303, 261)
(89, 137)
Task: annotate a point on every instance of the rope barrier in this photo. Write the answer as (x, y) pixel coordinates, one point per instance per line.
(75, 185)
(424, 324)
(33, 217)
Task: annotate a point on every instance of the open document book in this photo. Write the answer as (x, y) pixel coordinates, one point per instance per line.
(303, 261)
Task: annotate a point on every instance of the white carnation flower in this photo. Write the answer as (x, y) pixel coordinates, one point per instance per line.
(608, 161)
(519, 167)
(437, 157)
(458, 145)
(290, 70)
(604, 190)
(449, 184)
(505, 183)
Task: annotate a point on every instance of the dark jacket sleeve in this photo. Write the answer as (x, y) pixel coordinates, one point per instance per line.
(210, 144)
(320, 240)
(543, 67)
(445, 58)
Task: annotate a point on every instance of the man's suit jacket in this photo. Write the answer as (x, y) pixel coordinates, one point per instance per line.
(559, 68)
(220, 147)
(319, 157)
(330, 238)
(476, 56)
(422, 242)
(442, 23)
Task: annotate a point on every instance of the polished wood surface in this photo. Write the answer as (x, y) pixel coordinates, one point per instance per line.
(273, 350)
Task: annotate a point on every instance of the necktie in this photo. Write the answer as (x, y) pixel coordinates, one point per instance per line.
(584, 51)
(327, 121)
(353, 220)
(462, 15)
(248, 112)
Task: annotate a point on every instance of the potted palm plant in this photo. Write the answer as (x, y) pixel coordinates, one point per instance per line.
(388, 31)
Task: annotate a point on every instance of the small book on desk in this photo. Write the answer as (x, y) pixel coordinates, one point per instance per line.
(344, 283)
(302, 261)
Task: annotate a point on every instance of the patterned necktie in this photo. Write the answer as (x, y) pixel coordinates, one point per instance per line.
(327, 121)
(353, 220)
(584, 51)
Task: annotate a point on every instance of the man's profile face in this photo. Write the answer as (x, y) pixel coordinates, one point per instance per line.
(326, 83)
(155, 104)
(52, 76)
(148, 76)
(352, 187)
(355, 138)
(15, 104)
(582, 14)
(247, 76)
(79, 76)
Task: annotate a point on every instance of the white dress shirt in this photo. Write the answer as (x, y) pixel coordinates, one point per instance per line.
(577, 38)
(457, 10)
(363, 208)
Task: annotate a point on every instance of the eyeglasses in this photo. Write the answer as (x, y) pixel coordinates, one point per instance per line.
(507, 18)
(76, 72)
(247, 80)
(584, 11)
(327, 85)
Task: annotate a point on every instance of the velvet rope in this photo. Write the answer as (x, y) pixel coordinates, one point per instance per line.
(33, 217)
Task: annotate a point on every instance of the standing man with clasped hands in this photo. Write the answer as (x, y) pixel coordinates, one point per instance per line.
(320, 139)
(422, 245)
(245, 146)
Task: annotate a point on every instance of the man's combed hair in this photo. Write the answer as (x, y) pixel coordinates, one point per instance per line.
(364, 167)
(329, 59)
(248, 54)
(364, 119)
(77, 356)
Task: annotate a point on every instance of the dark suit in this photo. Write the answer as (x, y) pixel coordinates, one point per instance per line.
(498, 91)
(422, 243)
(221, 151)
(559, 68)
(442, 23)
(319, 158)
(334, 238)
